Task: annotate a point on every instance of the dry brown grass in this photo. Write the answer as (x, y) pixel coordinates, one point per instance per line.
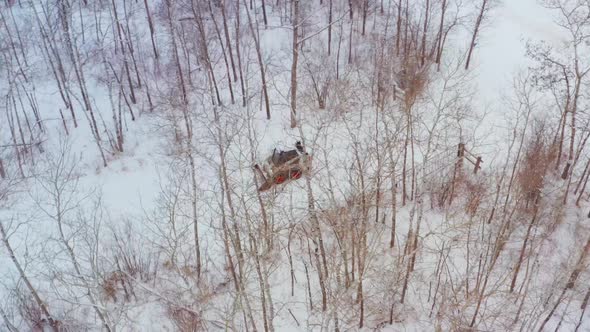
(116, 283)
(185, 320)
(33, 314)
(538, 155)
(413, 79)
(475, 193)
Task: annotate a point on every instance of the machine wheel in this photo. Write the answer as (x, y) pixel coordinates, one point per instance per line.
(296, 174)
(280, 179)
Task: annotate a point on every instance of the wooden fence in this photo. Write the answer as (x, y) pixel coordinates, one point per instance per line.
(464, 154)
(441, 165)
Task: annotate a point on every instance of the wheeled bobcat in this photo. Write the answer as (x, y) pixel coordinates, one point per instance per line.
(283, 166)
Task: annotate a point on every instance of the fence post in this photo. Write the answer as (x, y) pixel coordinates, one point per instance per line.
(461, 153)
(477, 165)
(2, 173)
(458, 165)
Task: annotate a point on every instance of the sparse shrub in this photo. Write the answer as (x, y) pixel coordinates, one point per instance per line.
(185, 320)
(539, 154)
(114, 283)
(130, 263)
(412, 79)
(33, 315)
(130, 258)
(475, 193)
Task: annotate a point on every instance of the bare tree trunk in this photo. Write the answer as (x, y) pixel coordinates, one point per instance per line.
(13, 47)
(583, 179)
(309, 294)
(82, 29)
(571, 282)
(496, 248)
(365, 12)
(59, 185)
(200, 55)
(129, 43)
(315, 224)
(205, 49)
(583, 307)
(18, 36)
(526, 284)
(235, 237)
(124, 53)
(218, 32)
(102, 316)
(584, 173)
(407, 42)
(2, 171)
(405, 162)
(561, 132)
(437, 274)
(480, 18)
(267, 322)
(264, 14)
(152, 30)
(412, 150)
(393, 207)
(238, 53)
(568, 171)
(267, 226)
(188, 140)
(260, 62)
(34, 105)
(290, 257)
(523, 249)
(16, 119)
(49, 45)
(64, 11)
(350, 35)
(228, 40)
(407, 248)
(578, 82)
(426, 17)
(52, 322)
(15, 143)
(439, 47)
(7, 322)
(398, 31)
(194, 215)
(230, 262)
(417, 233)
(117, 117)
(294, 63)
(120, 83)
(330, 27)
(353, 253)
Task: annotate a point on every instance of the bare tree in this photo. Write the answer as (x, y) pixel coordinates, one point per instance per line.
(51, 321)
(256, 38)
(59, 184)
(188, 137)
(295, 4)
(484, 9)
(152, 29)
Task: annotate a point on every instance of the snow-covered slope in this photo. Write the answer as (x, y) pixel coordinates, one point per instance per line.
(389, 231)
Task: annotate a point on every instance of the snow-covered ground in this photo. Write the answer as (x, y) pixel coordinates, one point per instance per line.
(144, 205)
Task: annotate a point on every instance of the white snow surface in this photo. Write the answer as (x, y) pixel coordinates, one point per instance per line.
(134, 183)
